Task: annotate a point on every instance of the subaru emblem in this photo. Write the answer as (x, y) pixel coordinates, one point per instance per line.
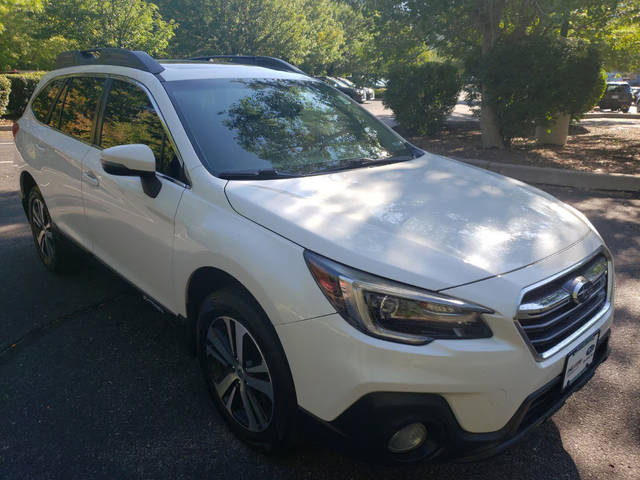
(580, 289)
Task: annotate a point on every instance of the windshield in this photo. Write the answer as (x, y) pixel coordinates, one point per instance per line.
(295, 127)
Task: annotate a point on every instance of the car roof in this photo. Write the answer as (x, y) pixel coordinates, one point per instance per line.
(204, 70)
(184, 70)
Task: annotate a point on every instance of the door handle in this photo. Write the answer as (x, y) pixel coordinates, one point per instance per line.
(39, 147)
(91, 178)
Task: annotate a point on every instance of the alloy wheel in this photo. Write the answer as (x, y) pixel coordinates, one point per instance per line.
(41, 225)
(240, 374)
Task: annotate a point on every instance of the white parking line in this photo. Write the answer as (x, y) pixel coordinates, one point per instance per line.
(6, 143)
(7, 161)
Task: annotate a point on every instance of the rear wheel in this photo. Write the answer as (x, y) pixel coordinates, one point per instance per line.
(55, 253)
(246, 370)
(624, 109)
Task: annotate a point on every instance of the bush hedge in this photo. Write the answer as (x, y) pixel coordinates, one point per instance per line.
(22, 86)
(531, 81)
(422, 96)
(5, 90)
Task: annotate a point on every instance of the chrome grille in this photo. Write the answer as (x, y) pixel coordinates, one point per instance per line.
(551, 312)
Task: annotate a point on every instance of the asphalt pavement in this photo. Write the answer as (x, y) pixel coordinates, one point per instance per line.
(95, 383)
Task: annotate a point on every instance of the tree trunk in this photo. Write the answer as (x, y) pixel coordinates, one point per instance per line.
(556, 133)
(491, 136)
(490, 12)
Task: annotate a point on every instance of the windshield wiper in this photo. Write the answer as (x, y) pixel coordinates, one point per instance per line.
(367, 162)
(262, 174)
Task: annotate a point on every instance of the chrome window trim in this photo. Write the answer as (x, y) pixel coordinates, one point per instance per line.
(608, 305)
(131, 81)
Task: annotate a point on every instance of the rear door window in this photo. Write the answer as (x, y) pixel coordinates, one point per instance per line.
(79, 107)
(129, 117)
(41, 105)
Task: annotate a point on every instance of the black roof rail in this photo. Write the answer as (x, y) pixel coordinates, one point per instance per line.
(109, 56)
(256, 60)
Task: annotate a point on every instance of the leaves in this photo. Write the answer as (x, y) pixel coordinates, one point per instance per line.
(100, 23)
(423, 96)
(36, 31)
(531, 81)
(321, 36)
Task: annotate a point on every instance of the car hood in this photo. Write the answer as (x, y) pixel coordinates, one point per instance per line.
(430, 222)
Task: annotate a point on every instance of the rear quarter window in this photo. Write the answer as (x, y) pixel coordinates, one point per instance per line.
(41, 105)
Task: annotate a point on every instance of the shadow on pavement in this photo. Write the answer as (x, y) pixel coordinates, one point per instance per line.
(113, 392)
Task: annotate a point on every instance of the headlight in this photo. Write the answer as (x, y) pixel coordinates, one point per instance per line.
(393, 311)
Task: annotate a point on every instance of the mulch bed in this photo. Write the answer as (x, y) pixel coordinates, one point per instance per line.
(593, 146)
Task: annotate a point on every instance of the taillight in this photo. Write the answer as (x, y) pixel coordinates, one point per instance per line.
(14, 129)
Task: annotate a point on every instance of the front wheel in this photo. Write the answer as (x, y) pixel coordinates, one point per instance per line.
(246, 371)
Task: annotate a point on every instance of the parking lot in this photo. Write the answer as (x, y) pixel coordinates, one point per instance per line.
(95, 383)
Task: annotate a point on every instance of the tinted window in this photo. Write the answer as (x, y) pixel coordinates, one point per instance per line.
(54, 119)
(129, 117)
(41, 106)
(79, 107)
(298, 127)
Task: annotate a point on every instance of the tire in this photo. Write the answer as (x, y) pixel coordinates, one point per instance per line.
(250, 385)
(55, 253)
(624, 109)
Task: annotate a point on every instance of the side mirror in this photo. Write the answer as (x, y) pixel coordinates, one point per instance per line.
(128, 160)
(135, 160)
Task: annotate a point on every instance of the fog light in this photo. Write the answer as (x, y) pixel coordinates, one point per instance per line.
(408, 438)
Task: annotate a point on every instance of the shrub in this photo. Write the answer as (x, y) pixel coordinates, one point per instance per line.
(422, 96)
(22, 86)
(531, 81)
(5, 89)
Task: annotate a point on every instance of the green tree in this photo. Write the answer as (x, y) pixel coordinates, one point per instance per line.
(8, 6)
(134, 24)
(572, 81)
(318, 35)
(621, 40)
(395, 42)
(262, 27)
(35, 32)
(468, 28)
(422, 96)
(357, 52)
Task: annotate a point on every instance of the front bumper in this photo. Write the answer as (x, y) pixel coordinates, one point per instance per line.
(482, 383)
(373, 419)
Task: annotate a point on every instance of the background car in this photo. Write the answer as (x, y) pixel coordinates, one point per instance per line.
(617, 96)
(358, 94)
(635, 91)
(368, 92)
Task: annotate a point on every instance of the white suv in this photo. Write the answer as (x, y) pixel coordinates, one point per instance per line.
(415, 304)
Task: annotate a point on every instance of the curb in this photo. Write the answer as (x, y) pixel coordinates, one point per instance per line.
(561, 177)
(628, 116)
